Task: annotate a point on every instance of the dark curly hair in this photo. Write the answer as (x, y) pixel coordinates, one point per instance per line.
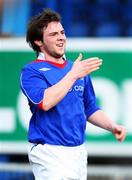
(36, 25)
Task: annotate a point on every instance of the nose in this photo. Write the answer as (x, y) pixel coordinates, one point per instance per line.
(61, 36)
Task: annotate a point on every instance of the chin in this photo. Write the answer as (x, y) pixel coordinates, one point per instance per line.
(59, 55)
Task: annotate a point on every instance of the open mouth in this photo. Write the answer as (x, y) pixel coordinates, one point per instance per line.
(60, 45)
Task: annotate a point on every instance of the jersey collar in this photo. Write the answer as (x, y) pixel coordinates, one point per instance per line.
(41, 58)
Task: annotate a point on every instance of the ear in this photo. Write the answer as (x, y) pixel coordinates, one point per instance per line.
(38, 43)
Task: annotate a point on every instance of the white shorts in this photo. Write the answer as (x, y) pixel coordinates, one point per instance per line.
(51, 162)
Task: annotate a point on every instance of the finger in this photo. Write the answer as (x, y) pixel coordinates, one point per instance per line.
(79, 57)
(98, 63)
(92, 70)
(94, 61)
(91, 66)
(93, 58)
(120, 136)
(123, 135)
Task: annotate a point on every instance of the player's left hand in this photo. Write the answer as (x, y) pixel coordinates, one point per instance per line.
(119, 132)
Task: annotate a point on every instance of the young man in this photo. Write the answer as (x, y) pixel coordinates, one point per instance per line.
(62, 100)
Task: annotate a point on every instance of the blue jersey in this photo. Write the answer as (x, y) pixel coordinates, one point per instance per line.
(65, 123)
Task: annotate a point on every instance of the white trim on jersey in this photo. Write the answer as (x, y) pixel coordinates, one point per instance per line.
(41, 56)
(26, 92)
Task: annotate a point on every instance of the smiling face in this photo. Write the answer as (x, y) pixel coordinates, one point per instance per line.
(54, 41)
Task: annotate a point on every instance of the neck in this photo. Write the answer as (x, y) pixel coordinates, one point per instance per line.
(53, 59)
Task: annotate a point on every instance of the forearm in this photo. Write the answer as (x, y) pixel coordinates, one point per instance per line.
(57, 92)
(100, 119)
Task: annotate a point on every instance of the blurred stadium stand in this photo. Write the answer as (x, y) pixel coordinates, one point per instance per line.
(82, 18)
(108, 29)
(14, 19)
(129, 31)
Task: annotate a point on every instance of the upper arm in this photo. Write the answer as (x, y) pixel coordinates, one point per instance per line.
(33, 85)
(90, 103)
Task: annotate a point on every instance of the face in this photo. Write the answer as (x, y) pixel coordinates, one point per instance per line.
(54, 40)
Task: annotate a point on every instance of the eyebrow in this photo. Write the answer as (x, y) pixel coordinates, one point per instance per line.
(55, 32)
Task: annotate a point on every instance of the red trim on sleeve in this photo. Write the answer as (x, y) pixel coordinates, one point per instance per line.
(40, 105)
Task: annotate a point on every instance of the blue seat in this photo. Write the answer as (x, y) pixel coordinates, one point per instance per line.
(78, 30)
(108, 29)
(129, 31)
(127, 13)
(4, 176)
(129, 2)
(100, 15)
(107, 2)
(37, 6)
(15, 16)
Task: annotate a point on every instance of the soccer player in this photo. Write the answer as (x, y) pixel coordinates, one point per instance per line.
(62, 99)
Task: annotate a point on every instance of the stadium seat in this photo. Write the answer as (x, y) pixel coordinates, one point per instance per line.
(107, 2)
(108, 29)
(129, 2)
(78, 30)
(127, 13)
(100, 14)
(77, 16)
(38, 5)
(14, 19)
(129, 31)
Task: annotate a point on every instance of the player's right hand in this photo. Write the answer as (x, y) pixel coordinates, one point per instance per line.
(82, 68)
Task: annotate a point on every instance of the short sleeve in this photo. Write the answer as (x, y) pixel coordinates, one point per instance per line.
(33, 85)
(89, 98)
